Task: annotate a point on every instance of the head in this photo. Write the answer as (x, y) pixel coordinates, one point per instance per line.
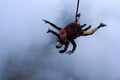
(63, 35)
(59, 44)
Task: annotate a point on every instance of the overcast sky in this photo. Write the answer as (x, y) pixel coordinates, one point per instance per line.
(27, 52)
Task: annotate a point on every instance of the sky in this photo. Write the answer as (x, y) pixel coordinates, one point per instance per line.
(27, 52)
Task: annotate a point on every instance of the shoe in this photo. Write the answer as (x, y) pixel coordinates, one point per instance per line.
(48, 30)
(102, 25)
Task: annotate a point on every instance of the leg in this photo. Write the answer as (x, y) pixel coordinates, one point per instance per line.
(54, 33)
(65, 48)
(73, 43)
(102, 25)
(53, 25)
(74, 47)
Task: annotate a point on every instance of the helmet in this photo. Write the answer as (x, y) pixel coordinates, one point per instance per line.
(58, 45)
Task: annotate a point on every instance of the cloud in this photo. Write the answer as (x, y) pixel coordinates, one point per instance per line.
(28, 53)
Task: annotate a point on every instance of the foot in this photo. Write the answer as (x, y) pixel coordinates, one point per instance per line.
(61, 51)
(102, 25)
(69, 52)
(48, 30)
(45, 21)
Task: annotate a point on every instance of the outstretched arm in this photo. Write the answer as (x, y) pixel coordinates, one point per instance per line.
(53, 25)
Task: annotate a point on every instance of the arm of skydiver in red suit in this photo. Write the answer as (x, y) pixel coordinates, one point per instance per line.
(53, 25)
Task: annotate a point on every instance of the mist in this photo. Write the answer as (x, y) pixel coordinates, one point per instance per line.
(27, 52)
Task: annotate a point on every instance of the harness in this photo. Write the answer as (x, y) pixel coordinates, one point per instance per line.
(72, 29)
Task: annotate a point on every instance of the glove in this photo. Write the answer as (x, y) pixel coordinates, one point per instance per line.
(61, 51)
(69, 52)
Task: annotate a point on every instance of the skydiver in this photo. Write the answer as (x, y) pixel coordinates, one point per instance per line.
(62, 39)
(71, 32)
(66, 41)
(68, 34)
(73, 28)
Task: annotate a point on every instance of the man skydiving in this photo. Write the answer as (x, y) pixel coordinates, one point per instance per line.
(71, 32)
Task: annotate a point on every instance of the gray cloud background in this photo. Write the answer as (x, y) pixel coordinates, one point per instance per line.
(28, 53)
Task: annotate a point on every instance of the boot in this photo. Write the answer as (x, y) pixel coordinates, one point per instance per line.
(48, 30)
(102, 24)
